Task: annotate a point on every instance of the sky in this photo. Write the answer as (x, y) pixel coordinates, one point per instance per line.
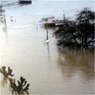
(56, 7)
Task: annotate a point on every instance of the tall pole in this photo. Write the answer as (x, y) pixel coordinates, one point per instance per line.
(46, 31)
(5, 21)
(1, 4)
(63, 20)
(63, 17)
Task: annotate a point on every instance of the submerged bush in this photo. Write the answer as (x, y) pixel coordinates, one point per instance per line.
(19, 87)
(6, 72)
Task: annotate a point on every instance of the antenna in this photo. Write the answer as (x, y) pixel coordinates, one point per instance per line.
(63, 17)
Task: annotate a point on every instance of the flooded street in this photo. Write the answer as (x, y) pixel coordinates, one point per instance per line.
(23, 47)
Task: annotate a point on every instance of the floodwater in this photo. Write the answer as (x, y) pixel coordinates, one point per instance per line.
(23, 48)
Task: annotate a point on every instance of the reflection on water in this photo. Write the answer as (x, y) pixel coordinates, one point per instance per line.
(75, 62)
(48, 51)
(4, 81)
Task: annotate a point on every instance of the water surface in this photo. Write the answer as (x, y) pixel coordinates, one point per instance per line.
(23, 48)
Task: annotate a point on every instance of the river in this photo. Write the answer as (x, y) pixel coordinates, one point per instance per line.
(23, 48)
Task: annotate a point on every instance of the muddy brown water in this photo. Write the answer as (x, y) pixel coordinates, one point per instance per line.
(23, 48)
